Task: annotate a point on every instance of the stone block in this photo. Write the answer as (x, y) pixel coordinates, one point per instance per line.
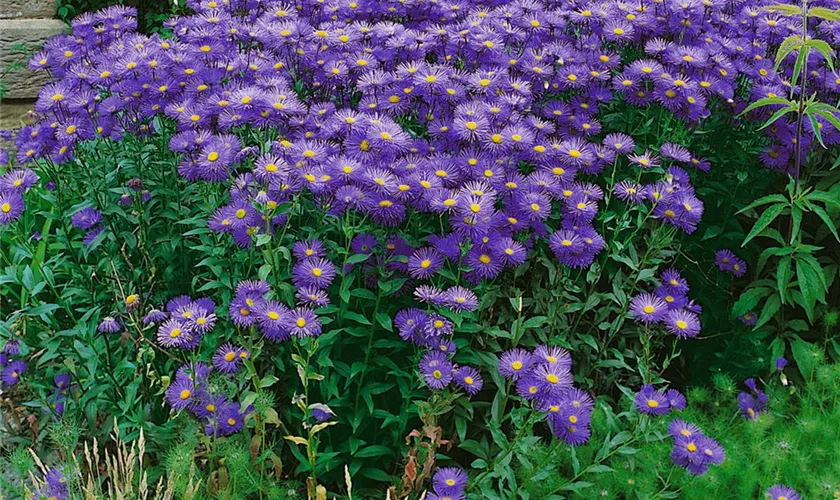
(14, 9)
(14, 114)
(21, 83)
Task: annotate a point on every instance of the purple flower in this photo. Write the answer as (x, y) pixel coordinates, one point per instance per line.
(449, 481)
(424, 263)
(469, 379)
(781, 363)
(651, 401)
(321, 412)
(317, 272)
(515, 363)
(12, 372)
(648, 308)
(679, 428)
(11, 206)
(459, 299)
(728, 262)
(436, 369)
(109, 324)
(180, 394)
(86, 218)
(782, 492)
(227, 359)
(682, 323)
(676, 400)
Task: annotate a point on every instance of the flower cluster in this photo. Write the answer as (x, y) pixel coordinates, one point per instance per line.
(692, 449)
(668, 304)
(12, 369)
(276, 321)
(184, 322)
(545, 377)
(728, 262)
(674, 199)
(192, 391)
(752, 403)
(449, 483)
(657, 402)
(13, 185)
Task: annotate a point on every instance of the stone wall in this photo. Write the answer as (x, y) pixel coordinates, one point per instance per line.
(29, 23)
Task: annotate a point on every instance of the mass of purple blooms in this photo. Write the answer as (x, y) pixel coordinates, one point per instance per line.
(692, 449)
(544, 378)
(486, 115)
(669, 305)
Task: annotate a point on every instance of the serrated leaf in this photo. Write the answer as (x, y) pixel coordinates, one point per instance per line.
(764, 220)
(771, 307)
(807, 278)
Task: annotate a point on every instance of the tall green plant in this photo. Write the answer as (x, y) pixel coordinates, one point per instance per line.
(794, 275)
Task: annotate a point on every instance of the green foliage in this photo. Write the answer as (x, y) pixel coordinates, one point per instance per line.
(793, 443)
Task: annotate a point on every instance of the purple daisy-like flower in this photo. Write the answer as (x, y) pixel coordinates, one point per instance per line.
(469, 379)
(11, 206)
(109, 324)
(675, 152)
(728, 262)
(782, 492)
(317, 272)
(676, 399)
(630, 191)
(18, 179)
(449, 481)
(459, 299)
(304, 323)
(86, 218)
(176, 333)
(651, 401)
(648, 308)
(274, 320)
(12, 372)
(155, 316)
(312, 296)
(180, 394)
(751, 406)
(682, 323)
(436, 369)
(424, 263)
(680, 428)
(748, 318)
(226, 359)
(308, 249)
(515, 363)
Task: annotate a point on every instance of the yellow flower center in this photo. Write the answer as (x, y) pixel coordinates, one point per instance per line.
(185, 394)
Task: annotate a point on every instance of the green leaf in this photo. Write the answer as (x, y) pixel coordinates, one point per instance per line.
(358, 318)
(815, 126)
(766, 101)
(770, 198)
(778, 114)
(823, 13)
(826, 220)
(823, 48)
(384, 320)
(375, 450)
(789, 44)
(796, 217)
(771, 307)
(807, 278)
(783, 276)
(787, 9)
(749, 299)
(765, 220)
